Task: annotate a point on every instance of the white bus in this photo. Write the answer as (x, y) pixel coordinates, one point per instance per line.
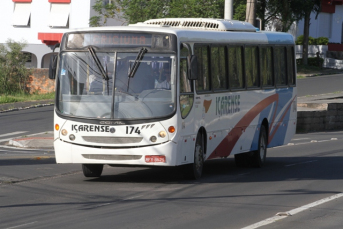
(173, 92)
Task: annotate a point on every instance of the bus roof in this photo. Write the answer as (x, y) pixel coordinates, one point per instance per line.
(231, 31)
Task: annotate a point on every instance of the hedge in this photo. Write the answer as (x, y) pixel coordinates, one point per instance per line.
(312, 61)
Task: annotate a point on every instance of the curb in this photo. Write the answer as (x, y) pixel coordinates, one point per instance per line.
(8, 107)
(35, 141)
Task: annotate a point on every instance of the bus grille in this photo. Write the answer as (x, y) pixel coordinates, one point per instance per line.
(112, 140)
(112, 157)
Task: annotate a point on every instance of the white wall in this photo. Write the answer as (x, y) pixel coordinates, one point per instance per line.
(326, 25)
(40, 11)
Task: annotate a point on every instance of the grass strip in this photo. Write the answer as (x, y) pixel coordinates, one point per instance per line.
(23, 97)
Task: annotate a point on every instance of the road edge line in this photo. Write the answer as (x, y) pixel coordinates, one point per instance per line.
(293, 212)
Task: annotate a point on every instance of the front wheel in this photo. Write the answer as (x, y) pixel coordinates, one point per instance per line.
(194, 171)
(92, 170)
(259, 156)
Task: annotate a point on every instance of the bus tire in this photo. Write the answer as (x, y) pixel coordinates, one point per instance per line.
(258, 157)
(92, 170)
(194, 171)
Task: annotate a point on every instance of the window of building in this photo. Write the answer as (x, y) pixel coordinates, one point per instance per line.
(236, 80)
(59, 15)
(21, 14)
(218, 69)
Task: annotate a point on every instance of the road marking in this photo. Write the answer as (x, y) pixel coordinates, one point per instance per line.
(22, 225)
(13, 133)
(9, 134)
(306, 162)
(283, 215)
(298, 139)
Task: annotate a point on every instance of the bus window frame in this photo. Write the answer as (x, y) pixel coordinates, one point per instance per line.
(244, 88)
(227, 86)
(178, 80)
(258, 69)
(273, 70)
(292, 49)
(195, 45)
(274, 63)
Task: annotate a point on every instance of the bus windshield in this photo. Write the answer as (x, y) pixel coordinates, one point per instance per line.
(105, 86)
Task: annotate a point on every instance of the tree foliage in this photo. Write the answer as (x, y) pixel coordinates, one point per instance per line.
(142, 10)
(13, 73)
(104, 11)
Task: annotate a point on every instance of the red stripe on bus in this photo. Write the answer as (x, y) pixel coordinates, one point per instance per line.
(225, 147)
(271, 135)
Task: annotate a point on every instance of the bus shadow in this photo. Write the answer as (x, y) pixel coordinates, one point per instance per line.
(225, 171)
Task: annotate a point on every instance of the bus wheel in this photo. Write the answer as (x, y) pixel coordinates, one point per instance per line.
(194, 171)
(259, 156)
(92, 170)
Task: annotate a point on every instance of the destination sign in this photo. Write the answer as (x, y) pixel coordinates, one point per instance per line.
(80, 40)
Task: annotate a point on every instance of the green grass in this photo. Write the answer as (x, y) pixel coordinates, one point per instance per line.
(23, 97)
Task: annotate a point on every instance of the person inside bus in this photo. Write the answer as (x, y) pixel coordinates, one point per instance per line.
(165, 79)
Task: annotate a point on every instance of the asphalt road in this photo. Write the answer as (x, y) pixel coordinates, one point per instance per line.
(320, 85)
(59, 196)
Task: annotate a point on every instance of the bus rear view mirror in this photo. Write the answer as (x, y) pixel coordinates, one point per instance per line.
(193, 69)
(53, 63)
(52, 67)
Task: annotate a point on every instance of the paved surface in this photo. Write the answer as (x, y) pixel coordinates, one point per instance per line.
(319, 102)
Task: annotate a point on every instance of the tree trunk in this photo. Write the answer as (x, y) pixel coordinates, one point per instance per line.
(306, 35)
(285, 15)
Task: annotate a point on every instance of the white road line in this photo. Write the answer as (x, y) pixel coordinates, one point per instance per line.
(280, 216)
(306, 162)
(22, 225)
(13, 133)
(298, 139)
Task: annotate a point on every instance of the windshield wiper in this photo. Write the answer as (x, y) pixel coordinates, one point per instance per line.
(137, 62)
(97, 62)
(136, 65)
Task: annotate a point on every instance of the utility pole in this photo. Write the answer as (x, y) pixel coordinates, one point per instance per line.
(251, 12)
(228, 11)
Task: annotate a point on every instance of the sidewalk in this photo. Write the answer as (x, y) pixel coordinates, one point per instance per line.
(37, 141)
(319, 102)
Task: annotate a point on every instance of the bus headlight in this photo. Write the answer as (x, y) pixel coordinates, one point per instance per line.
(64, 132)
(153, 138)
(162, 134)
(72, 137)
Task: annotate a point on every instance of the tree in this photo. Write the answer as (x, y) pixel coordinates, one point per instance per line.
(283, 13)
(13, 73)
(239, 10)
(104, 11)
(309, 6)
(141, 10)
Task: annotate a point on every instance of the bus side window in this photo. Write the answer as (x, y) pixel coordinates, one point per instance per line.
(290, 66)
(266, 67)
(186, 89)
(280, 66)
(203, 82)
(218, 70)
(235, 64)
(251, 67)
